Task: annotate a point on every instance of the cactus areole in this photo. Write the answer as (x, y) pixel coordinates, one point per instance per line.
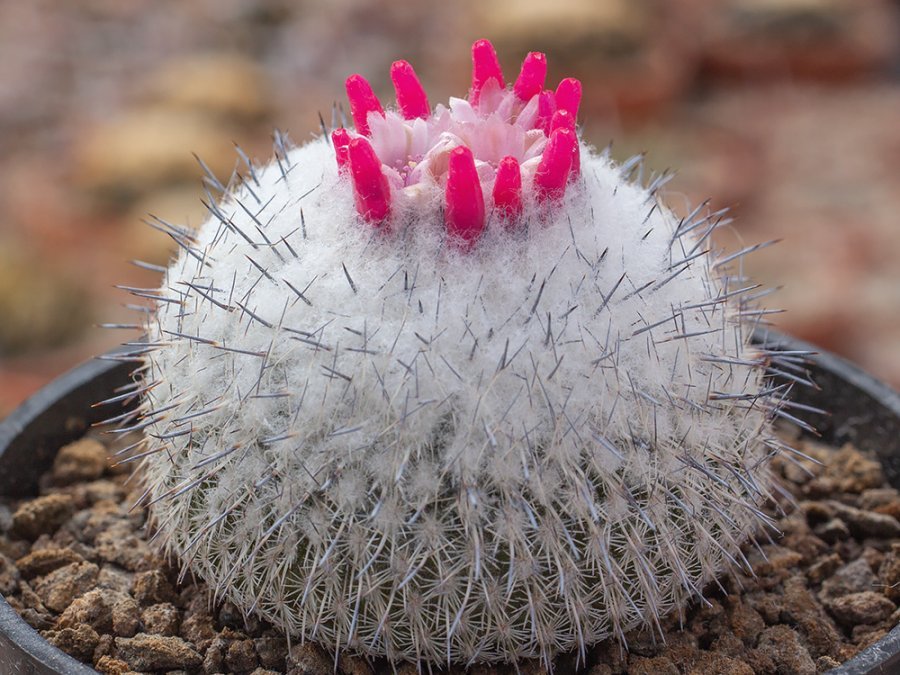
(453, 386)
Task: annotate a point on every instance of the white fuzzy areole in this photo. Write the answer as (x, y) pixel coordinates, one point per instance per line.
(454, 456)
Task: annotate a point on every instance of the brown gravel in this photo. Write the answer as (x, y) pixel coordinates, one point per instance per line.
(76, 564)
(41, 516)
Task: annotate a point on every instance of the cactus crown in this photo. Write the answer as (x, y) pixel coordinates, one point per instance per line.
(495, 142)
(547, 432)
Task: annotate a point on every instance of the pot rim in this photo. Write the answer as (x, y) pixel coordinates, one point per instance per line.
(24, 644)
(20, 644)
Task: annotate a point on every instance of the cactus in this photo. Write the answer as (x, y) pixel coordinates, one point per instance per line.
(453, 387)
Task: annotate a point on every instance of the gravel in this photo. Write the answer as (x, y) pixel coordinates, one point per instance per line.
(76, 564)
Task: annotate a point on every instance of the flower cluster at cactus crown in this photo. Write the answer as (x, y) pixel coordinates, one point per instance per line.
(454, 453)
(501, 150)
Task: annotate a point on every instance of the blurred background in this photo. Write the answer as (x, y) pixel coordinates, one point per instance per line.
(786, 111)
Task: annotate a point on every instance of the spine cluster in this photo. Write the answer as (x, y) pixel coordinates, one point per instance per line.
(550, 435)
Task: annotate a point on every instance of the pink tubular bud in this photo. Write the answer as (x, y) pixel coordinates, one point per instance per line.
(362, 102)
(568, 95)
(373, 194)
(508, 190)
(546, 109)
(485, 66)
(340, 139)
(531, 78)
(464, 200)
(556, 162)
(563, 119)
(411, 97)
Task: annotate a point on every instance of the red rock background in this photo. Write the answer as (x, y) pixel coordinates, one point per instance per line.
(787, 111)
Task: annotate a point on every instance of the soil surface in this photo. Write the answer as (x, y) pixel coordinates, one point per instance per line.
(76, 563)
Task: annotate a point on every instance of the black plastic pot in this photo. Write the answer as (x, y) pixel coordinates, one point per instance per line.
(863, 411)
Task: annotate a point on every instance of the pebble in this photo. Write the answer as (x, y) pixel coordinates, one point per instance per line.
(103, 491)
(877, 497)
(93, 609)
(37, 620)
(9, 575)
(83, 460)
(214, 658)
(853, 577)
(711, 663)
(817, 512)
(856, 472)
(354, 665)
(826, 663)
(890, 509)
(778, 561)
(760, 661)
(161, 619)
(860, 608)
(241, 656)
(871, 552)
(746, 623)
(152, 587)
(111, 666)
(410, 669)
(29, 598)
(769, 606)
(120, 545)
(600, 669)
(105, 646)
(79, 641)
(271, 652)
(783, 646)
(658, 665)
(199, 629)
(307, 659)
(823, 568)
(58, 589)
(156, 652)
(708, 621)
(115, 578)
(43, 561)
(866, 523)
(42, 515)
(832, 530)
(800, 608)
(126, 617)
(644, 643)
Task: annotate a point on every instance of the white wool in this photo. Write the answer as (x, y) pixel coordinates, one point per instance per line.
(550, 414)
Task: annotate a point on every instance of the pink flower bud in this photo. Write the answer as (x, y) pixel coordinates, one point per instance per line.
(485, 66)
(531, 78)
(508, 191)
(340, 140)
(362, 102)
(556, 162)
(465, 202)
(411, 97)
(568, 95)
(370, 187)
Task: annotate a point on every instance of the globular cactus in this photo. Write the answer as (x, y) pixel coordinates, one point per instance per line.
(453, 387)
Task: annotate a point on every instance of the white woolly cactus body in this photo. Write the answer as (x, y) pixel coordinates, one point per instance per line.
(503, 440)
